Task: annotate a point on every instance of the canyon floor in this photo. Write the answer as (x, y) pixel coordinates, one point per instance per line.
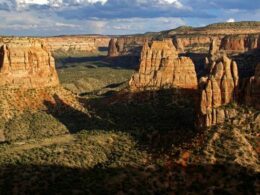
(120, 145)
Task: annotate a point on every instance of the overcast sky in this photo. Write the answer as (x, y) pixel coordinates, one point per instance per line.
(56, 17)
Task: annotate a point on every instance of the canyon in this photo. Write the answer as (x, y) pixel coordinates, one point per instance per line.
(172, 111)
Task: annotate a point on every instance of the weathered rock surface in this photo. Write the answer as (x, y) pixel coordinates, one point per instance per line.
(72, 44)
(81, 44)
(252, 89)
(112, 48)
(27, 63)
(240, 43)
(127, 45)
(160, 67)
(219, 88)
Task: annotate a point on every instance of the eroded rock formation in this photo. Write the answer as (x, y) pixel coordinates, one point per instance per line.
(112, 48)
(160, 67)
(240, 43)
(217, 89)
(27, 63)
(82, 44)
(127, 45)
(252, 89)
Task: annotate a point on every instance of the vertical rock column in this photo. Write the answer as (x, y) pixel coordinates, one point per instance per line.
(219, 88)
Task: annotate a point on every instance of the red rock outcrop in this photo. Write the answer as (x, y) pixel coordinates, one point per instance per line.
(252, 90)
(81, 44)
(219, 88)
(160, 67)
(27, 63)
(76, 44)
(127, 45)
(240, 43)
(112, 48)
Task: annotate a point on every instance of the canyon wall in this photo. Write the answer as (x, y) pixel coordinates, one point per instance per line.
(77, 43)
(127, 45)
(160, 67)
(27, 63)
(189, 43)
(80, 44)
(240, 43)
(251, 91)
(199, 43)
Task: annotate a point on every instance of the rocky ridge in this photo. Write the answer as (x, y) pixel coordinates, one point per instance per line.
(83, 44)
(77, 44)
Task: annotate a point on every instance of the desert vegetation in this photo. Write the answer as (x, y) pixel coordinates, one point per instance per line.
(182, 125)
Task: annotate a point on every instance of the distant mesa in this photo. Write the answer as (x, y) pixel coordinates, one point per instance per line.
(27, 63)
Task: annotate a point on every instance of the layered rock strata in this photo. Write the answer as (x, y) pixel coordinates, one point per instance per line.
(127, 45)
(160, 67)
(112, 48)
(240, 43)
(83, 44)
(27, 63)
(72, 44)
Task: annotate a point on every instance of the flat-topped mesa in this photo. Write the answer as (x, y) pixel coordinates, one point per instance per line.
(160, 67)
(252, 92)
(27, 63)
(77, 44)
(219, 88)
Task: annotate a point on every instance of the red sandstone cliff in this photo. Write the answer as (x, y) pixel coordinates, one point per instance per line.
(160, 67)
(252, 89)
(127, 45)
(77, 43)
(27, 63)
(219, 88)
(112, 48)
(240, 43)
(82, 44)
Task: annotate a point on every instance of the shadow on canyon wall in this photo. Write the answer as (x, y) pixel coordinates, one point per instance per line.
(199, 62)
(152, 117)
(195, 179)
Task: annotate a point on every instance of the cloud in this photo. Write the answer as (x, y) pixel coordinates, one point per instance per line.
(52, 17)
(231, 20)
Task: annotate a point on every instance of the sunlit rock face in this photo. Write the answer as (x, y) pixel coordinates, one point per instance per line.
(27, 63)
(240, 43)
(82, 44)
(127, 45)
(219, 88)
(112, 48)
(160, 67)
